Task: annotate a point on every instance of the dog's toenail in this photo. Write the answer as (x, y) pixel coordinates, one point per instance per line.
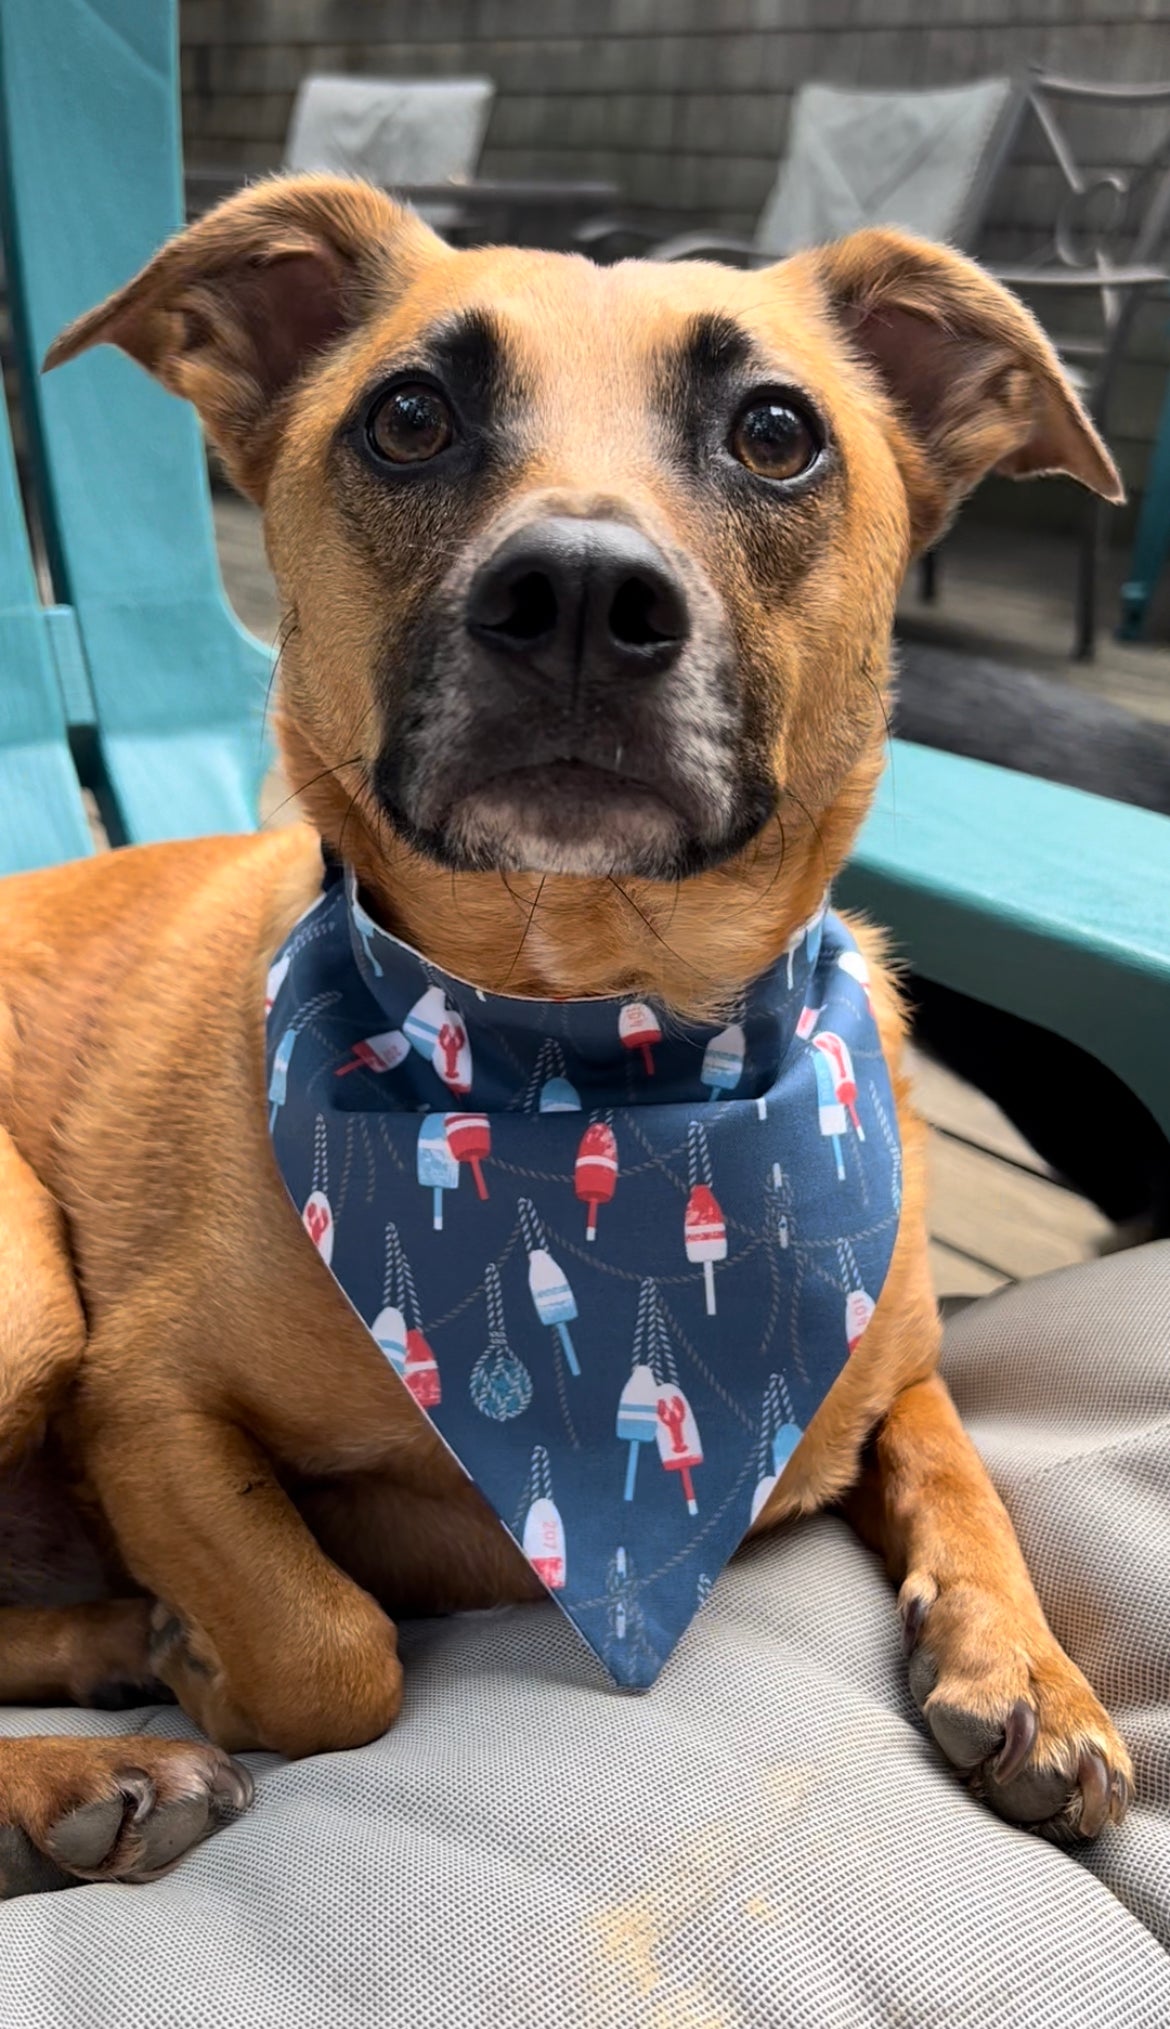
(1093, 1777)
(1019, 1738)
(912, 1619)
(1121, 1793)
(233, 1791)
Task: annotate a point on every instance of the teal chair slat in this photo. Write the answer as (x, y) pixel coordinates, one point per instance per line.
(1035, 898)
(93, 185)
(42, 817)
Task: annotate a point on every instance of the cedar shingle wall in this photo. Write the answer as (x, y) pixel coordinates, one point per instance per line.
(685, 103)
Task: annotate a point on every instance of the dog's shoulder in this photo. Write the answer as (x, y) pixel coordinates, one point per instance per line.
(140, 944)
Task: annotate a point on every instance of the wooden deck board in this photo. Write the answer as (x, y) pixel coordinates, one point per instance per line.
(996, 1215)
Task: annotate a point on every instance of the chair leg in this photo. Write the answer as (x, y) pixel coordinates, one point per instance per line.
(928, 577)
(1085, 642)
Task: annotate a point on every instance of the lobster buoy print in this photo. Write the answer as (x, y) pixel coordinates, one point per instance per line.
(859, 1308)
(389, 1334)
(435, 1165)
(421, 1371)
(639, 1029)
(543, 1539)
(679, 1448)
(705, 1233)
(723, 1061)
(544, 1543)
(596, 1173)
(469, 1138)
(318, 1221)
(637, 1418)
(383, 1052)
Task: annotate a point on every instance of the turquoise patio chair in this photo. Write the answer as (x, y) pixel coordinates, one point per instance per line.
(91, 181)
(42, 817)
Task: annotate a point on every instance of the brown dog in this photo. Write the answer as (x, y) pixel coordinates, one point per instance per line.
(765, 451)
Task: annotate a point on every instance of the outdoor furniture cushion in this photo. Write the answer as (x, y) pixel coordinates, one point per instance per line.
(764, 1841)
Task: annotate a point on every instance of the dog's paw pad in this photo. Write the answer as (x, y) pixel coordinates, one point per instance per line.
(1016, 1718)
(130, 1809)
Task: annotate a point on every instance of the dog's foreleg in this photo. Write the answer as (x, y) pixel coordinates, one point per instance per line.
(262, 1639)
(1003, 1701)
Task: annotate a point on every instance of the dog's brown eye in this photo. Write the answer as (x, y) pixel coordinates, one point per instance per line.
(410, 425)
(774, 440)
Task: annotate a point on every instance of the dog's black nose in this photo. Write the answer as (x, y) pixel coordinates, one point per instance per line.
(580, 599)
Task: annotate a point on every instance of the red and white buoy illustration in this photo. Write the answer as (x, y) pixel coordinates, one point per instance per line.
(639, 1029)
(723, 1061)
(652, 1406)
(383, 1052)
(836, 1092)
(439, 1033)
(543, 1540)
(679, 1448)
(435, 1166)
(859, 1304)
(398, 1329)
(596, 1173)
(548, 1285)
(780, 1433)
(704, 1226)
(469, 1138)
(318, 1212)
(500, 1383)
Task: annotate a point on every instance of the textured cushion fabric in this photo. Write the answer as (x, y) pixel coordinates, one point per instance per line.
(766, 1840)
(391, 130)
(909, 159)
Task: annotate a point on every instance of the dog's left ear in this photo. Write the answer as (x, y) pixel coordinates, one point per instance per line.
(969, 370)
(233, 311)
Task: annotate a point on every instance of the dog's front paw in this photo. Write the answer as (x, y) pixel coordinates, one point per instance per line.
(122, 1809)
(1009, 1709)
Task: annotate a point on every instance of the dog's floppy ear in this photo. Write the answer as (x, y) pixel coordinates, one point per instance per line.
(968, 368)
(230, 312)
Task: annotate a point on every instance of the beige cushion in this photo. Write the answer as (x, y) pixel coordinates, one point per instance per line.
(764, 1841)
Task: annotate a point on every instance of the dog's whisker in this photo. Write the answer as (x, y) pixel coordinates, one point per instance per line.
(527, 927)
(354, 761)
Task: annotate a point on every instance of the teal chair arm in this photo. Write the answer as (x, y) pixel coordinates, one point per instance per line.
(1038, 899)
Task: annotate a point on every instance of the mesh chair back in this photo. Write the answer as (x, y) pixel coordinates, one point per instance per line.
(924, 161)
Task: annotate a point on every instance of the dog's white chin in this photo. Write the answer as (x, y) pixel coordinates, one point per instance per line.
(583, 824)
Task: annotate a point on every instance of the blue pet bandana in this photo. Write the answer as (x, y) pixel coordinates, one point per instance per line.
(618, 1260)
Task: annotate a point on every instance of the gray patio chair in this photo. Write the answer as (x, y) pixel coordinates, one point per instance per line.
(1107, 248)
(395, 131)
(392, 130)
(923, 160)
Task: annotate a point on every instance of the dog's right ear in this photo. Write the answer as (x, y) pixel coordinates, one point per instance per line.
(231, 312)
